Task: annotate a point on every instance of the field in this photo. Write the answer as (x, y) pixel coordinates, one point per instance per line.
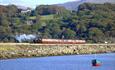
(47, 17)
(19, 50)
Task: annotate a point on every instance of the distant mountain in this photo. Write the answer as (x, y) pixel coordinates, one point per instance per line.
(71, 5)
(21, 7)
(100, 1)
(74, 4)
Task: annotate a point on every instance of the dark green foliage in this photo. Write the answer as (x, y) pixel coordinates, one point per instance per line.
(92, 22)
(68, 34)
(50, 9)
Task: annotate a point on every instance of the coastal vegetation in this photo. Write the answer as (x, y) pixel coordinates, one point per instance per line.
(20, 50)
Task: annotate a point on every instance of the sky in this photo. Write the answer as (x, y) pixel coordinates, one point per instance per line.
(33, 3)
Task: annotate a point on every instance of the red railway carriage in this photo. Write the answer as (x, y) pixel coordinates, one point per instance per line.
(61, 41)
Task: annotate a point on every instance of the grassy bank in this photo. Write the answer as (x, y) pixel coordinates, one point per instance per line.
(13, 50)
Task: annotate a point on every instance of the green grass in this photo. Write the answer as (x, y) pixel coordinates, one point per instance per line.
(44, 17)
(47, 17)
(32, 17)
(33, 50)
(7, 48)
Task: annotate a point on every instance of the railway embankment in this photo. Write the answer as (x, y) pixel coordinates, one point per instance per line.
(20, 50)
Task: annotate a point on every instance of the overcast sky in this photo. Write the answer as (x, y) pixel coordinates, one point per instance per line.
(32, 3)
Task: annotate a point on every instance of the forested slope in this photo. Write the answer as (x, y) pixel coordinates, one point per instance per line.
(92, 22)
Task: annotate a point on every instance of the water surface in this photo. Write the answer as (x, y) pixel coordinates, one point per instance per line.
(71, 62)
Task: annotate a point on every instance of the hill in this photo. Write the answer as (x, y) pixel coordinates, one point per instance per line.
(74, 4)
(91, 22)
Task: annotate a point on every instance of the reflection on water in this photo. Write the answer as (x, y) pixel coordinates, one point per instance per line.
(72, 62)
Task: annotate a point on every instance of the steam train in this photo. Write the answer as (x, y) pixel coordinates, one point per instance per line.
(59, 41)
(36, 39)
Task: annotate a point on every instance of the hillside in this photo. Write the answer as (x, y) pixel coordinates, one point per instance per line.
(94, 23)
(74, 4)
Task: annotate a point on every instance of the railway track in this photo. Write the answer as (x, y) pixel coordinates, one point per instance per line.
(51, 44)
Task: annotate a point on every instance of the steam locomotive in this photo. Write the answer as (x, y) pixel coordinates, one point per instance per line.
(36, 39)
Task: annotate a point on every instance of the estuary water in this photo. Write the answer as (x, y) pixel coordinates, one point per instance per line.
(69, 62)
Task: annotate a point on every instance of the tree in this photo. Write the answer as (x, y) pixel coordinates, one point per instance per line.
(96, 34)
(54, 29)
(50, 9)
(4, 20)
(68, 34)
(12, 10)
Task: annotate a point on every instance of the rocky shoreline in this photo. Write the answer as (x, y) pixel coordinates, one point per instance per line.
(9, 51)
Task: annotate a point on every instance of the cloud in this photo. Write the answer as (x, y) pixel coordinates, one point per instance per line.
(6, 2)
(54, 1)
(27, 3)
(32, 3)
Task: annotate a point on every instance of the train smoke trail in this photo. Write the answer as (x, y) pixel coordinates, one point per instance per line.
(25, 37)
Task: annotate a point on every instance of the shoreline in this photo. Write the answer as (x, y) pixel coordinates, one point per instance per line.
(58, 56)
(27, 50)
